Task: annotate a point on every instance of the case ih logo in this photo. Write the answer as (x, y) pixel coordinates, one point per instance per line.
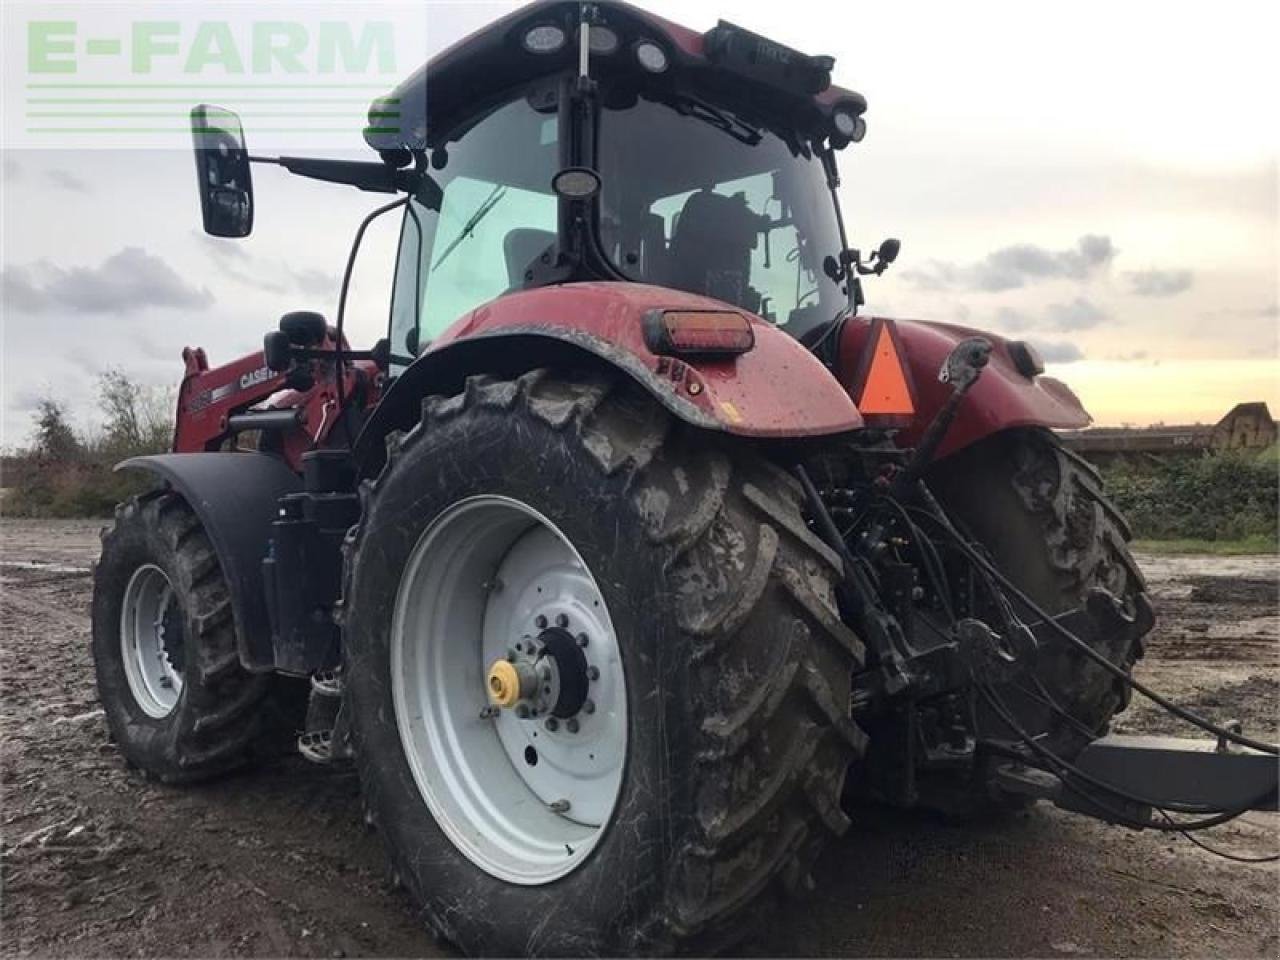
(261, 375)
(127, 74)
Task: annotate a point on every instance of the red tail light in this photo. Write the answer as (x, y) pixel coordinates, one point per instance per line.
(698, 333)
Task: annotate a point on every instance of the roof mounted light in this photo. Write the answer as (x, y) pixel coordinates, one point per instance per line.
(544, 38)
(651, 56)
(847, 127)
(602, 41)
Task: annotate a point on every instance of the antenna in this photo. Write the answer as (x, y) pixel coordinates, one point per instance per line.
(586, 15)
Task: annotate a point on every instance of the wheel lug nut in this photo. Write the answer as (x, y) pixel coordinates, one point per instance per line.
(540, 622)
(553, 724)
(522, 711)
(582, 639)
(571, 725)
(589, 706)
(593, 673)
(562, 620)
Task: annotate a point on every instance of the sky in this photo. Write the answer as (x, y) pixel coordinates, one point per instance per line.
(1098, 178)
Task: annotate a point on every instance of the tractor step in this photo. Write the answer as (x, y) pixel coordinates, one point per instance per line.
(325, 739)
(317, 746)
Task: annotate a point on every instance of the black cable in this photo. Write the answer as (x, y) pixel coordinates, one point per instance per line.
(340, 366)
(1182, 713)
(933, 563)
(1221, 853)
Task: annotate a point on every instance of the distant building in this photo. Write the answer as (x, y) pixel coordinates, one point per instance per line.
(1249, 426)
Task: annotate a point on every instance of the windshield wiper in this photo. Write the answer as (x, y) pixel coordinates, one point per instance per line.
(740, 131)
(482, 211)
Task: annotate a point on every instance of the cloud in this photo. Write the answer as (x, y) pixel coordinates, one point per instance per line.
(1058, 351)
(1017, 266)
(129, 280)
(1132, 357)
(65, 180)
(233, 261)
(1014, 321)
(1271, 312)
(315, 283)
(279, 278)
(28, 399)
(1079, 314)
(1159, 283)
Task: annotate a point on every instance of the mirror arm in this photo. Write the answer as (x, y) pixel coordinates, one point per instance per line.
(370, 176)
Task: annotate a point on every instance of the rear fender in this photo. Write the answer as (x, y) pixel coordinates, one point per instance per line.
(235, 496)
(776, 390)
(1002, 398)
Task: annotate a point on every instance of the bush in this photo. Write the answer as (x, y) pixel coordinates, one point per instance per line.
(1226, 496)
(66, 474)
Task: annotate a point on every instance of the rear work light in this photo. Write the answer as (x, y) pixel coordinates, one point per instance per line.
(1026, 359)
(698, 333)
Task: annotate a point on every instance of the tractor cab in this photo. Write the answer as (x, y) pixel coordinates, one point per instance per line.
(576, 141)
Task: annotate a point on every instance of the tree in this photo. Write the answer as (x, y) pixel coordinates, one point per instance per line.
(137, 417)
(54, 438)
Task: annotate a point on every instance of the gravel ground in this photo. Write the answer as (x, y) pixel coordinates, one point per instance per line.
(97, 861)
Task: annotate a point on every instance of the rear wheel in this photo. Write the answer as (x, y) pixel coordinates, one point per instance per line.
(176, 699)
(657, 627)
(1041, 514)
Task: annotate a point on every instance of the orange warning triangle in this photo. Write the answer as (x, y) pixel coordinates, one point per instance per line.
(885, 390)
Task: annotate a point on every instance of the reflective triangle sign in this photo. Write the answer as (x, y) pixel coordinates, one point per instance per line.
(885, 389)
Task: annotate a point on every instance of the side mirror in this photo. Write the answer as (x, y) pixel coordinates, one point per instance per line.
(222, 171)
(889, 251)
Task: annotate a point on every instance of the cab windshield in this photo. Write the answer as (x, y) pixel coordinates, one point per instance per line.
(696, 199)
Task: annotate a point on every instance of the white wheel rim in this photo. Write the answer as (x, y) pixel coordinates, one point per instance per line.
(150, 609)
(525, 802)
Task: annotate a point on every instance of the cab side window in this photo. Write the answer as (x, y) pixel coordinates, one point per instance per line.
(498, 215)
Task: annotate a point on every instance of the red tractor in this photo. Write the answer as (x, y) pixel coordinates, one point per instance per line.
(634, 556)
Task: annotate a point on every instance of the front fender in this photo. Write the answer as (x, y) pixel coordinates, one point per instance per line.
(235, 496)
(776, 390)
(1002, 398)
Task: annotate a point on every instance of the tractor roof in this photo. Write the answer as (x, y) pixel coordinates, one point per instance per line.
(727, 66)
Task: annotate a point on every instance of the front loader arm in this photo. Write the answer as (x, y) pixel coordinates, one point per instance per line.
(208, 398)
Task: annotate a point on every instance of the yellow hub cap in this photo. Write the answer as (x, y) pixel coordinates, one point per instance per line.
(504, 684)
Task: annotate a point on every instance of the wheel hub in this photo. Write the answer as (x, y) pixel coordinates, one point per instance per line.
(546, 676)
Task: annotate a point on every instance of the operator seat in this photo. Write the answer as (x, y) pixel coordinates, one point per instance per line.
(711, 248)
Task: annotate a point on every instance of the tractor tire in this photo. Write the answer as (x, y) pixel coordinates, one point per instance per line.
(735, 665)
(177, 702)
(1040, 512)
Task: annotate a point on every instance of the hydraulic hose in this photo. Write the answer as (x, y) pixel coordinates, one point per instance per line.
(1180, 712)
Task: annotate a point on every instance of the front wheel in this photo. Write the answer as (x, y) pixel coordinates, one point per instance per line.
(177, 701)
(598, 686)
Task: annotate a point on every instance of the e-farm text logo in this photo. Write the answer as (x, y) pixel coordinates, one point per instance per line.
(126, 75)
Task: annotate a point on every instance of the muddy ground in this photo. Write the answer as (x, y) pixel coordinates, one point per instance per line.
(99, 862)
